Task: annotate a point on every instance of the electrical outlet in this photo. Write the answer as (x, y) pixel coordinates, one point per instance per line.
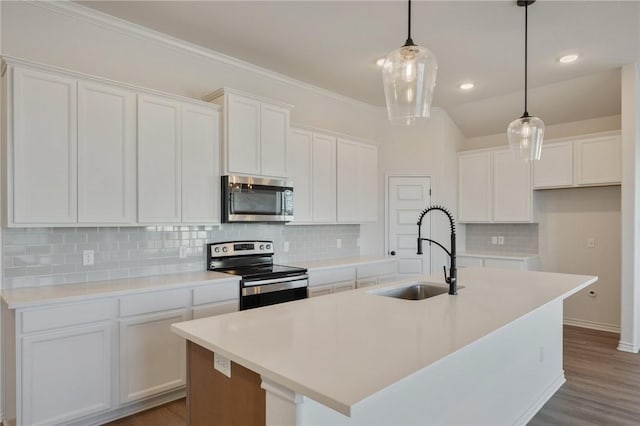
(285, 247)
(500, 240)
(87, 257)
(339, 242)
(182, 252)
(591, 242)
(494, 240)
(358, 242)
(222, 364)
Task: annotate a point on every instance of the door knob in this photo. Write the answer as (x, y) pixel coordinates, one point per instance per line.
(392, 253)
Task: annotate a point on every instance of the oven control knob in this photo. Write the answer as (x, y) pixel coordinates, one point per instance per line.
(268, 246)
(261, 246)
(217, 249)
(224, 249)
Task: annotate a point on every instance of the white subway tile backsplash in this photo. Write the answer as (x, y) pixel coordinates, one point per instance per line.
(518, 238)
(53, 256)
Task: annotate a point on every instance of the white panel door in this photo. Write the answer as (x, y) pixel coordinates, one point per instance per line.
(159, 160)
(274, 129)
(66, 374)
(299, 167)
(43, 149)
(598, 160)
(474, 187)
(200, 165)
(512, 192)
(408, 196)
(324, 178)
(152, 358)
(242, 143)
(367, 183)
(555, 167)
(347, 181)
(106, 154)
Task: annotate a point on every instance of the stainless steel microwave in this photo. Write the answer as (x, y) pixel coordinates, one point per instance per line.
(254, 199)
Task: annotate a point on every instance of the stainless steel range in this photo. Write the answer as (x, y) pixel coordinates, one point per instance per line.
(263, 283)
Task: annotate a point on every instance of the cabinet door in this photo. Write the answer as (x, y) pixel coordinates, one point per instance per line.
(66, 374)
(106, 154)
(152, 358)
(200, 165)
(159, 160)
(598, 161)
(274, 129)
(555, 167)
(299, 166)
(367, 183)
(347, 181)
(474, 187)
(242, 143)
(43, 149)
(324, 178)
(512, 192)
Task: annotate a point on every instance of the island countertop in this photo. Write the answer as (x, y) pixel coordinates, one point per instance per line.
(342, 348)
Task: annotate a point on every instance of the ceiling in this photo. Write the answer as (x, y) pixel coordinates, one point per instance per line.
(334, 45)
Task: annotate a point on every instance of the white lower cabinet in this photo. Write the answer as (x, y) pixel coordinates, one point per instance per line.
(525, 263)
(345, 278)
(66, 374)
(91, 361)
(152, 358)
(320, 290)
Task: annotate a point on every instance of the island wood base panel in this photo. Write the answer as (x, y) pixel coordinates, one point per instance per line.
(215, 399)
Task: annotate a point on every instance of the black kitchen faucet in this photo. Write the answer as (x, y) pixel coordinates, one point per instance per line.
(453, 271)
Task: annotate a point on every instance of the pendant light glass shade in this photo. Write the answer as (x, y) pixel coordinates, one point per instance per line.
(409, 77)
(525, 138)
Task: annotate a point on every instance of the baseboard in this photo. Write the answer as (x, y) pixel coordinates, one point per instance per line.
(592, 325)
(628, 347)
(541, 400)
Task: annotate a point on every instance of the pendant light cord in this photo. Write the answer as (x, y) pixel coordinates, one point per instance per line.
(526, 46)
(409, 41)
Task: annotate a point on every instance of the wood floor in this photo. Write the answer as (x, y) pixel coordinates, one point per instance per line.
(602, 388)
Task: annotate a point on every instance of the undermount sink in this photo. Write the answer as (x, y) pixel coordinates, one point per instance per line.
(415, 291)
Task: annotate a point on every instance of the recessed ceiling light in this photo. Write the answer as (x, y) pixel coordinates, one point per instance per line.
(567, 59)
(466, 86)
(380, 62)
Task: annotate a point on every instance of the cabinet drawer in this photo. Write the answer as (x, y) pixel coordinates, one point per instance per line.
(216, 292)
(320, 290)
(215, 309)
(344, 286)
(375, 269)
(470, 262)
(504, 264)
(328, 276)
(154, 302)
(367, 282)
(67, 314)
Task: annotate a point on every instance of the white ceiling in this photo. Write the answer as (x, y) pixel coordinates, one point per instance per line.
(334, 44)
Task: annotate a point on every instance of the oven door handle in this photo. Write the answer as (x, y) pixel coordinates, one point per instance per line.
(275, 280)
(299, 282)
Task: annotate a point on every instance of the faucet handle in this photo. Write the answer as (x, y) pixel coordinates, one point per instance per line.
(444, 271)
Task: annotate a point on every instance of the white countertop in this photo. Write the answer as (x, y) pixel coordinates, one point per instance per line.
(342, 348)
(32, 296)
(345, 261)
(514, 256)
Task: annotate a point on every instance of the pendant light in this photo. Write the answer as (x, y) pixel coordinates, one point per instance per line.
(409, 77)
(526, 133)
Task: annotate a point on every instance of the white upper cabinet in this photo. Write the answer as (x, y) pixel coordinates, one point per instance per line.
(200, 165)
(255, 133)
(41, 154)
(106, 154)
(598, 160)
(591, 160)
(493, 187)
(555, 167)
(347, 184)
(512, 192)
(474, 187)
(159, 160)
(357, 174)
(299, 149)
(323, 179)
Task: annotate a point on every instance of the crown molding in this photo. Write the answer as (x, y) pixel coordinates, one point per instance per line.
(110, 22)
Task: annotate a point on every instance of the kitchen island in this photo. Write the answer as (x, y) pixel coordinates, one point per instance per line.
(490, 355)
